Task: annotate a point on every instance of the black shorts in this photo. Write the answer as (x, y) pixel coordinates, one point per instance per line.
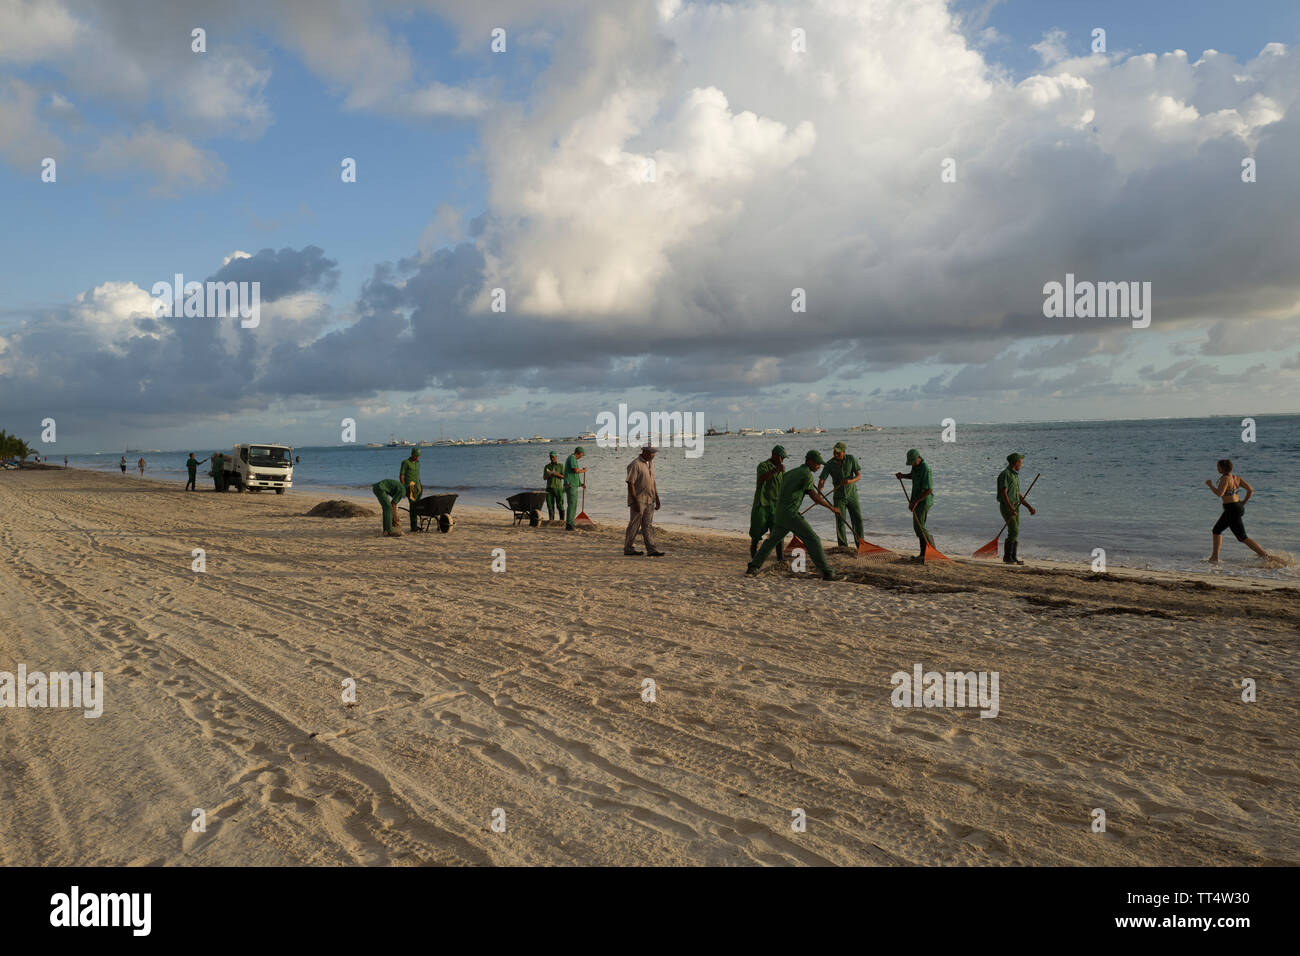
(1233, 512)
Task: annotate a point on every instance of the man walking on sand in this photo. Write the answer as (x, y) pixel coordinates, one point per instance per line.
(409, 475)
(122, 464)
(573, 480)
(643, 502)
(766, 491)
(553, 476)
(192, 466)
(389, 492)
(921, 499)
(843, 471)
(140, 465)
(794, 485)
(1009, 502)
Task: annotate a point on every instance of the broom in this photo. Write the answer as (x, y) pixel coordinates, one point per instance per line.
(990, 550)
(931, 552)
(582, 518)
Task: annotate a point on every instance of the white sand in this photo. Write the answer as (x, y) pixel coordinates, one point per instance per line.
(522, 691)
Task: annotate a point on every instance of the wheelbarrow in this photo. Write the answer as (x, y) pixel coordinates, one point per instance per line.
(434, 509)
(526, 504)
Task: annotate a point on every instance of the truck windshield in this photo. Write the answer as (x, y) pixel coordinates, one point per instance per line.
(268, 456)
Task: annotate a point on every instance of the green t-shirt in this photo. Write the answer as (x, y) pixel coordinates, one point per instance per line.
(766, 493)
(922, 481)
(193, 465)
(837, 471)
(1010, 481)
(794, 485)
(410, 472)
(571, 477)
(389, 487)
(553, 475)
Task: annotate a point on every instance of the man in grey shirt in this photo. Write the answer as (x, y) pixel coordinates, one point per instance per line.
(642, 501)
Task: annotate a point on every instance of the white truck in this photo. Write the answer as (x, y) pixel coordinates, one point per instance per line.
(254, 467)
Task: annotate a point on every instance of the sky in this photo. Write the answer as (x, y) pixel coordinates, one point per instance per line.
(772, 213)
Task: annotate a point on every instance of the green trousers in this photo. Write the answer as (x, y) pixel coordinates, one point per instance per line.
(1012, 519)
(850, 510)
(415, 521)
(571, 512)
(794, 524)
(919, 514)
(760, 521)
(386, 504)
(554, 502)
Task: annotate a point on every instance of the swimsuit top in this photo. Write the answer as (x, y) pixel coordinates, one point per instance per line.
(1230, 488)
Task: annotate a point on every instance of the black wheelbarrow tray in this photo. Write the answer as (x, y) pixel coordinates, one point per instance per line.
(526, 504)
(434, 508)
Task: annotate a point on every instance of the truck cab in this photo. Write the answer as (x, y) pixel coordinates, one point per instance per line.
(254, 467)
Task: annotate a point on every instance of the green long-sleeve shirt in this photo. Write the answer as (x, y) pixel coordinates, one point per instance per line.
(410, 472)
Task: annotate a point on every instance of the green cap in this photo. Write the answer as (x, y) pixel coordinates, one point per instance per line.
(1014, 457)
(579, 450)
(816, 456)
(415, 453)
(912, 454)
(553, 455)
(779, 450)
(840, 446)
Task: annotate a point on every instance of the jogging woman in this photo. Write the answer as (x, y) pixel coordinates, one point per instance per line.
(1233, 510)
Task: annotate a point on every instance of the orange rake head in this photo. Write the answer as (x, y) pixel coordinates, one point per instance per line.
(989, 550)
(866, 547)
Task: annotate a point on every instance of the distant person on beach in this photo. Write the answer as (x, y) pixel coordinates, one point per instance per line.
(843, 471)
(218, 471)
(1234, 511)
(389, 493)
(762, 512)
(794, 485)
(122, 463)
(65, 461)
(409, 475)
(642, 502)
(140, 464)
(921, 499)
(573, 480)
(192, 466)
(553, 476)
(1009, 502)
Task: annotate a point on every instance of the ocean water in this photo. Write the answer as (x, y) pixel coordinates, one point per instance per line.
(1133, 488)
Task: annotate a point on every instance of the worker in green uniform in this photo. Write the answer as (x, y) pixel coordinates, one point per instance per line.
(1009, 502)
(553, 475)
(843, 471)
(409, 475)
(192, 466)
(921, 499)
(573, 480)
(763, 511)
(794, 485)
(217, 471)
(389, 493)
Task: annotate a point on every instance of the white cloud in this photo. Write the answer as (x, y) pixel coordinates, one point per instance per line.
(173, 160)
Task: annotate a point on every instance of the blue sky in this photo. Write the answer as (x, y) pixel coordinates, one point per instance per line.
(479, 170)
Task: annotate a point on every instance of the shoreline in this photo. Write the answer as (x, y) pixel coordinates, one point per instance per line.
(1234, 575)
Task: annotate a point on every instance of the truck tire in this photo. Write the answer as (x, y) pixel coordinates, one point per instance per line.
(279, 491)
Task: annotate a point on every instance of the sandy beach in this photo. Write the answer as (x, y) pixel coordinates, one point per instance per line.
(522, 691)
